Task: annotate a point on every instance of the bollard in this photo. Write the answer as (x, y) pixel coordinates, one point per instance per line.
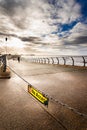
(4, 70)
(6, 74)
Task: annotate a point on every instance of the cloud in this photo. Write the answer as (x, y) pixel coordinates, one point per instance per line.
(80, 28)
(10, 6)
(8, 35)
(66, 11)
(30, 39)
(78, 32)
(14, 11)
(38, 23)
(40, 17)
(81, 40)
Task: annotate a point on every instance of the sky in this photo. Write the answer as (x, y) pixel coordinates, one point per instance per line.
(44, 27)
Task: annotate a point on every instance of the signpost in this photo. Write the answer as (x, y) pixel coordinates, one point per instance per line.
(38, 95)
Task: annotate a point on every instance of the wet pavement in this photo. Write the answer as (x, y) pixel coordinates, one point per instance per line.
(20, 111)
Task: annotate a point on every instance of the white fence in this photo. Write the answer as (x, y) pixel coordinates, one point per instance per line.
(62, 60)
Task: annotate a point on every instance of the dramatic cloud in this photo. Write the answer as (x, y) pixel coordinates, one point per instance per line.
(44, 25)
(30, 39)
(78, 34)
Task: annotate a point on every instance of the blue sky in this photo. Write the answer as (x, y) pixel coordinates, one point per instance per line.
(83, 4)
(44, 26)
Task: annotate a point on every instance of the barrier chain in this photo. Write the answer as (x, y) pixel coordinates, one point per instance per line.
(52, 99)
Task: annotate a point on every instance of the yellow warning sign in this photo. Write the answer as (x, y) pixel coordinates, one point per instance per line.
(38, 95)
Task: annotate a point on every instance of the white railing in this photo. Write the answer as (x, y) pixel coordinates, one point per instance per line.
(62, 60)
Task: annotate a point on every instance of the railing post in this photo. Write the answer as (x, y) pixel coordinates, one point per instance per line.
(41, 60)
(64, 60)
(48, 60)
(72, 60)
(33, 60)
(38, 60)
(84, 60)
(57, 60)
(52, 60)
(44, 60)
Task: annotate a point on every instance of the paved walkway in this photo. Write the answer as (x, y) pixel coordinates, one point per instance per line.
(19, 111)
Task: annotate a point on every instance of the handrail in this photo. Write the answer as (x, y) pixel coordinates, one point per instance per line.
(84, 60)
(41, 60)
(52, 60)
(57, 60)
(64, 60)
(48, 60)
(44, 60)
(72, 60)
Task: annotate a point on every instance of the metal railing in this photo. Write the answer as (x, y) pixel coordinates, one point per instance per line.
(61, 60)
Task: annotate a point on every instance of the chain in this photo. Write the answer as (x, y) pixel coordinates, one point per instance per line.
(67, 106)
(52, 99)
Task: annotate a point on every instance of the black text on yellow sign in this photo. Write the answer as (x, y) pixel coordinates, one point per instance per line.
(39, 96)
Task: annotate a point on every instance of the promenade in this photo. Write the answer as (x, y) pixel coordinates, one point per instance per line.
(66, 88)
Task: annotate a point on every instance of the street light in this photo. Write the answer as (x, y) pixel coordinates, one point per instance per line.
(6, 44)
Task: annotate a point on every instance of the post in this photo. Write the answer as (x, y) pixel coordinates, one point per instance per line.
(83, 60)
(72, 61)
(48, 60)
(6, 44)
(64, 60)
(57, 60)
(52, 60)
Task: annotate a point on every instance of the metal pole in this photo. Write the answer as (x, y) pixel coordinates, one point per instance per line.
(6, 44)
(5, 56)
(84, 60)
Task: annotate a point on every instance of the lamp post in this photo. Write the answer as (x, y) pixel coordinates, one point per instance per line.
(6, 44)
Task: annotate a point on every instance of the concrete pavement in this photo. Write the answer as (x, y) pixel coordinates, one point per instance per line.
(19, 111)
(67, 85)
